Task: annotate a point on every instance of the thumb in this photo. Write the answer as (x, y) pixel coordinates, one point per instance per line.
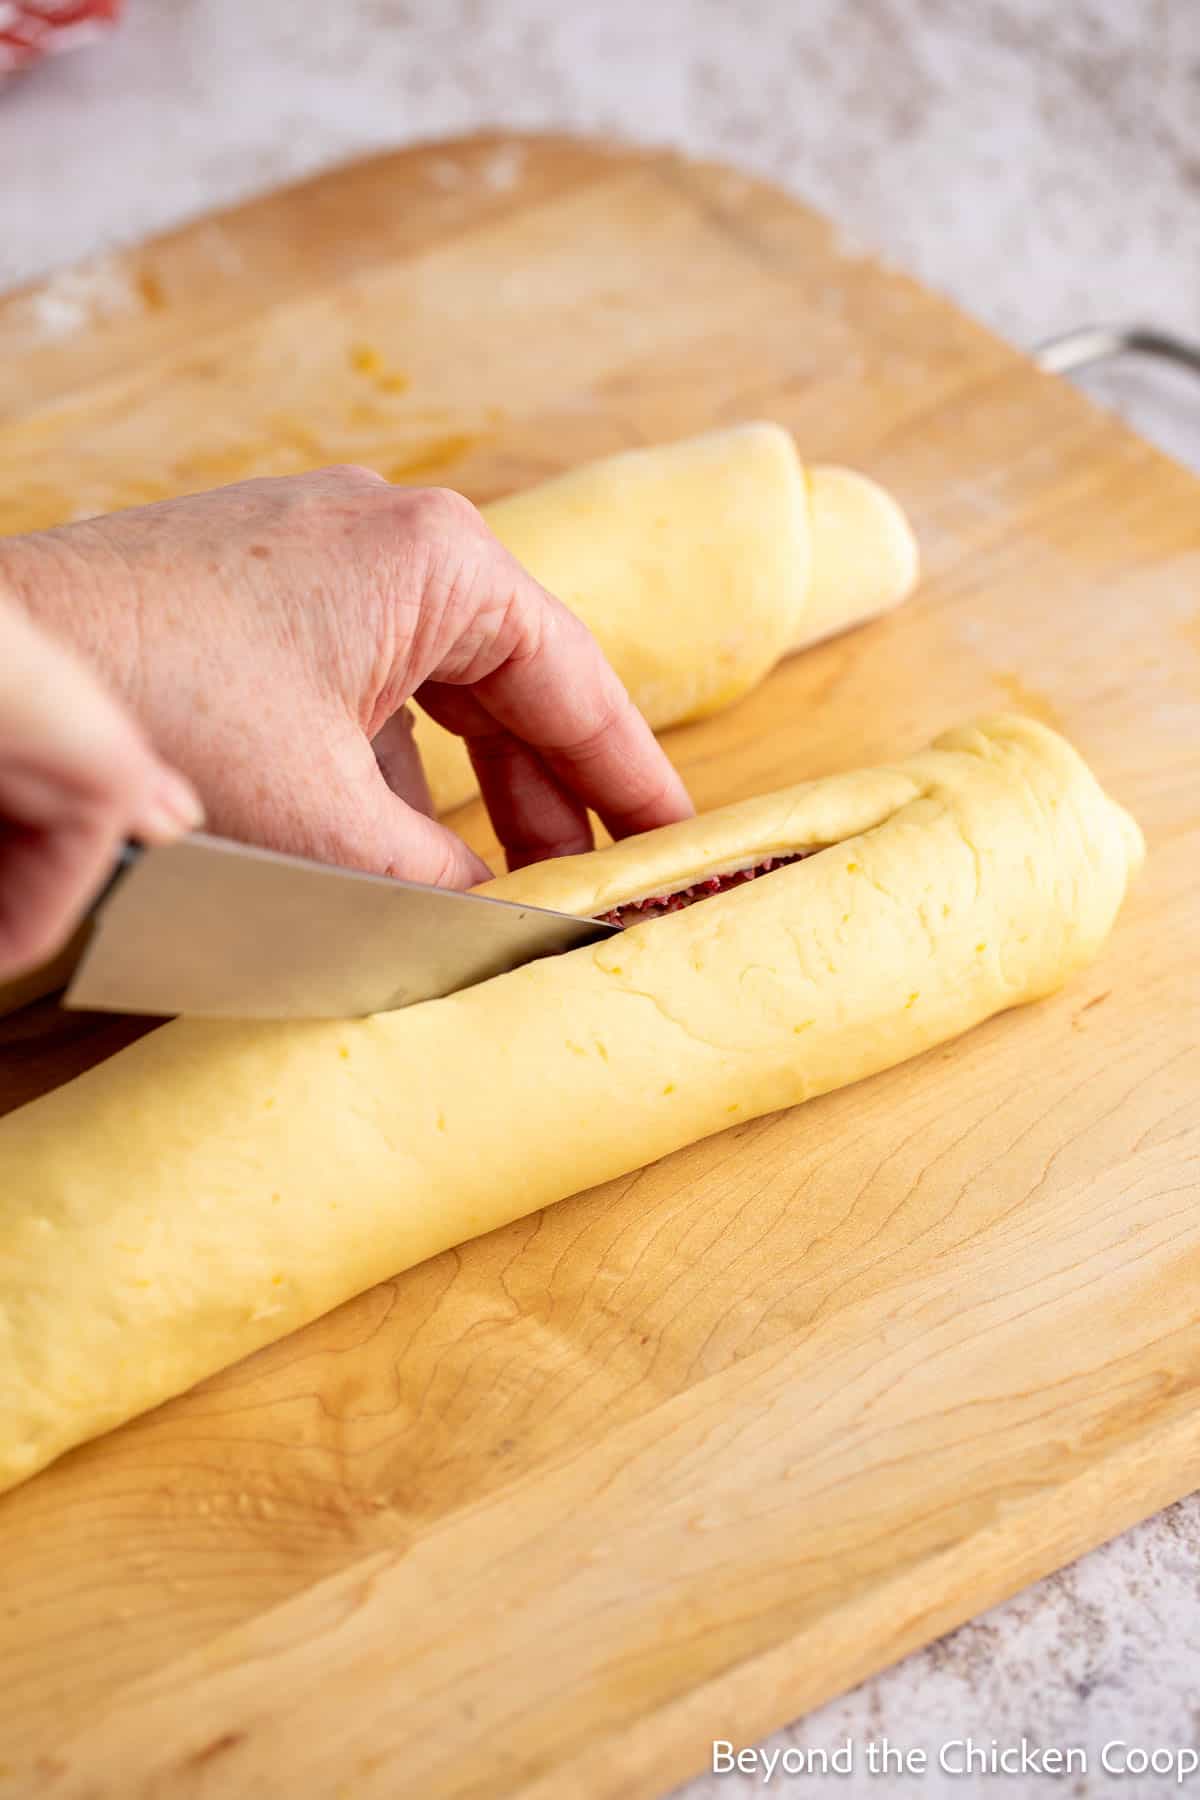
(383, 833)
(419, 849)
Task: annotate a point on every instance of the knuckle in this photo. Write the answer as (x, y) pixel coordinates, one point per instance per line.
(355, 475)
(443, 509)
(593, 741)
(492, 748)
(576, 636)
(562, 633)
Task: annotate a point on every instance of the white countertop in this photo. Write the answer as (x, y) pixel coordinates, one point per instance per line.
(1038, 161)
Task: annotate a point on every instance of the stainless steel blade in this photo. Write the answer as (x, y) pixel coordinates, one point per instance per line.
(216, 929)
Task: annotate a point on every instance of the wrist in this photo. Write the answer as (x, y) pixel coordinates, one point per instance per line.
(68, 583)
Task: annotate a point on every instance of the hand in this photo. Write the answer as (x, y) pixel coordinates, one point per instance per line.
(268, 635)
(76, 778)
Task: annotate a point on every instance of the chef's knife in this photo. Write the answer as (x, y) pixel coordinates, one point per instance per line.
(211, 928)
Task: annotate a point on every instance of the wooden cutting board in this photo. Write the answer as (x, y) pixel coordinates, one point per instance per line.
(687, 1454)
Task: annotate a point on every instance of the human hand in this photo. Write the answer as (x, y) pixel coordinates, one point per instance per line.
(268, 635)
(76, 778)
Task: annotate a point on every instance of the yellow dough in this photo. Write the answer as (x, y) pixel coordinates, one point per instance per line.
(698, 565)
(215, 1186)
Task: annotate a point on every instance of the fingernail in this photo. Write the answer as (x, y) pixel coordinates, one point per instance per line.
(174, 809)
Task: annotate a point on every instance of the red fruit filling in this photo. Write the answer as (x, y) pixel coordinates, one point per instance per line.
(657, 906)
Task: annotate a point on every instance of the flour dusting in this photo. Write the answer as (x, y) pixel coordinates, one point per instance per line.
(502, 170)
(79, 297)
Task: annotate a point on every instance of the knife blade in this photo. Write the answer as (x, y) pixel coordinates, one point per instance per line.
(215, 929)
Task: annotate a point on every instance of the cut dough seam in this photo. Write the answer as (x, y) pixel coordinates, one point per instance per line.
(641, 908)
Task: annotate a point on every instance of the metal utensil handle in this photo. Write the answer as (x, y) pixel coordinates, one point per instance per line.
(130, 851)
(1089, 344)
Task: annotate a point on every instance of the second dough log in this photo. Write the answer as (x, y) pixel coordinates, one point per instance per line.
(698, 565)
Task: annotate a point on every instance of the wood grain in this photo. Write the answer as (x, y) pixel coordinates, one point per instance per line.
(689, 1453)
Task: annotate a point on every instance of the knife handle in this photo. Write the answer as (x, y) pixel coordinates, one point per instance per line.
(128, 855)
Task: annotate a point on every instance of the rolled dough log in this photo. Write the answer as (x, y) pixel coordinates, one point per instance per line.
(698, 565)
(215, 1186)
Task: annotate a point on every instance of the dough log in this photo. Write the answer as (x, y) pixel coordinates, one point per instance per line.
(698, 565)
(215, 1186)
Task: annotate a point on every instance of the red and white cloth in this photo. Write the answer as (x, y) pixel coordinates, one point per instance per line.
(30, 29)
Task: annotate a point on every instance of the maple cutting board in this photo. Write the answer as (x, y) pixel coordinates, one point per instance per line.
(687, 1454)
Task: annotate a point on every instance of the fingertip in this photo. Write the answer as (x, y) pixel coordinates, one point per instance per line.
(427, 852)
(672, 802)
(172, 809)
(467, 870)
